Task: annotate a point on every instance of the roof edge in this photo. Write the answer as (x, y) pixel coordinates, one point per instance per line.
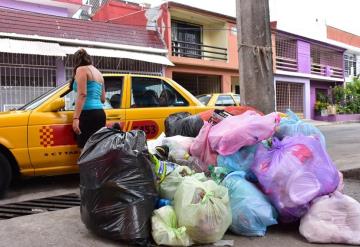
(85, 42)
(203, 11)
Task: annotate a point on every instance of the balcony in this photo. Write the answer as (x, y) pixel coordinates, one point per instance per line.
(286, 53)
(326, 70)
(198, 51)
(326, 62)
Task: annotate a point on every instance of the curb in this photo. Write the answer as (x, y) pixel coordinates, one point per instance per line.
(351, 173)
(323, 123)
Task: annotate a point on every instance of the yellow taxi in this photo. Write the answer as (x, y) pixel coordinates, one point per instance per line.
(219, 99)
(37, 139)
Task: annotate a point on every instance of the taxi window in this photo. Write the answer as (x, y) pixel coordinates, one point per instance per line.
(225, 100)
(204, 99)
(113, 94)
(154, 92)
(237, 98)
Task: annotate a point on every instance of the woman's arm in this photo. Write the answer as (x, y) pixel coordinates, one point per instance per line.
(81, 79)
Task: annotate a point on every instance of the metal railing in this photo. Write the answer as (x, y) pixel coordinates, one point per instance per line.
(287, 64)
(198, 51)
(326, 70)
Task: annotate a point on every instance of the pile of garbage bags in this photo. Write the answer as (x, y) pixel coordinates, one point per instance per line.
(234, 169)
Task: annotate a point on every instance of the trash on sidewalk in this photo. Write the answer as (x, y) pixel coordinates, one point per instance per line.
(292, 125)
(293, 172)
(117, 186)
(247, 129)
(239, 161)
(218, 170)
(204, 209)
(165, 230)
(172, 181)
(333, 218)
(252, 212)
(201, 149)
(183, 124)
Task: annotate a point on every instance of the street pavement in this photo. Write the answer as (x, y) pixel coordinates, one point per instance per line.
(64, 227)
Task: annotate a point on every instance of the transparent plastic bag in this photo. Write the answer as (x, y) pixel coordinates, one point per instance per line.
(292, 125)
(333, 218)
(172, 181)
(293, 172)
(247, 129)
(204, 209)
(252, 212)
(165, 230)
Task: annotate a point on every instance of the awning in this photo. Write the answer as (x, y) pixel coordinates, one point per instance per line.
(31, 47)
(100, 52)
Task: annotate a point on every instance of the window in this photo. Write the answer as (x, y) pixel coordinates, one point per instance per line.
(186, 39)
(113, 92)
(113, 89)
(204, 99)
(154, 92)
(350, 65)
(225, 100)
(237, 98)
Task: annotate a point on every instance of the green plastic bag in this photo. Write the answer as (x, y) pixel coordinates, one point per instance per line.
(204, 209)
(165, 230)
(171, 182)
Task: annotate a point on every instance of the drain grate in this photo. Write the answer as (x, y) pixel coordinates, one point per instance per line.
(36, 206)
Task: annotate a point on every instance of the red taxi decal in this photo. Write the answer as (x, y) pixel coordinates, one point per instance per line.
(150, 127)
(56, 135)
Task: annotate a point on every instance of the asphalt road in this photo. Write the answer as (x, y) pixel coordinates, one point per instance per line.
(343, 144)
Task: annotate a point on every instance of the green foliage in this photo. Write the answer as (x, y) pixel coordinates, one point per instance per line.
(346, 99)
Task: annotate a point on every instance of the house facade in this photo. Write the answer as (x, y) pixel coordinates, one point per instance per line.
(202, 45)
(304, 69)
(351, 43)
(36, 52)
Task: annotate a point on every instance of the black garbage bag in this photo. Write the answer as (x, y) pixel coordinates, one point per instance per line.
(117, 186)
(184, 124)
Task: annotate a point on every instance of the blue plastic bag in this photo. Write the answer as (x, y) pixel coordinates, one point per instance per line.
(292, 126)
(239, 161)
(252, 212)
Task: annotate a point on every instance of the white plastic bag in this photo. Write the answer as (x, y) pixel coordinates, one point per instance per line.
(165, 230)
(171, 182)
(204, 209)
(154, 143)
(333, 218)
(179, 146)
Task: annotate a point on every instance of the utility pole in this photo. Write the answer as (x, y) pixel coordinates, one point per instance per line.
(255, 54)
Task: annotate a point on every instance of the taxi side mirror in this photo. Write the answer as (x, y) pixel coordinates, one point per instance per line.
(56, 105)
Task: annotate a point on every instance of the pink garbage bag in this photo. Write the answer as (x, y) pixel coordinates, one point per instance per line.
(333, 218)
(293, 172)
(247, 129)
(201, 149)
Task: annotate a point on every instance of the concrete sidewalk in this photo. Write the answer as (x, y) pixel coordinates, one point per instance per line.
(64, 228)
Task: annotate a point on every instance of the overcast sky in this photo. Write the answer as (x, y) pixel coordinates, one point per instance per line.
(293, 15)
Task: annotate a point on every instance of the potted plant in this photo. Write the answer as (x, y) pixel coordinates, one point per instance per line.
(321, 108)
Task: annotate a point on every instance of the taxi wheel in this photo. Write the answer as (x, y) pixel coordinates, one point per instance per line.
(5, 174)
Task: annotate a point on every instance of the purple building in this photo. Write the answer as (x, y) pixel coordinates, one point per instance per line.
(304, 69)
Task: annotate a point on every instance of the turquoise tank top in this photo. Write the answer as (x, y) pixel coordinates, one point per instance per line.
(93, 95)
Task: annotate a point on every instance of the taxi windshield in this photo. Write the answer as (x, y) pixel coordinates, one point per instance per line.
(39, 100)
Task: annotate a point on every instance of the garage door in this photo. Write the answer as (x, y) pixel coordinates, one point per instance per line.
(290, 96)
(199, 84)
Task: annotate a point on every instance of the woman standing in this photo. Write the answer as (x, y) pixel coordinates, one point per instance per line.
(88, 83)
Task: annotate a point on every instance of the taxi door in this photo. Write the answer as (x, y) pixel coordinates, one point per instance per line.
(146, 108)
(52, 144)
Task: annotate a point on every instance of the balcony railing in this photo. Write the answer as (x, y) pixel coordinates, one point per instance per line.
(287, 64)
(198, 51)
(326, 70)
